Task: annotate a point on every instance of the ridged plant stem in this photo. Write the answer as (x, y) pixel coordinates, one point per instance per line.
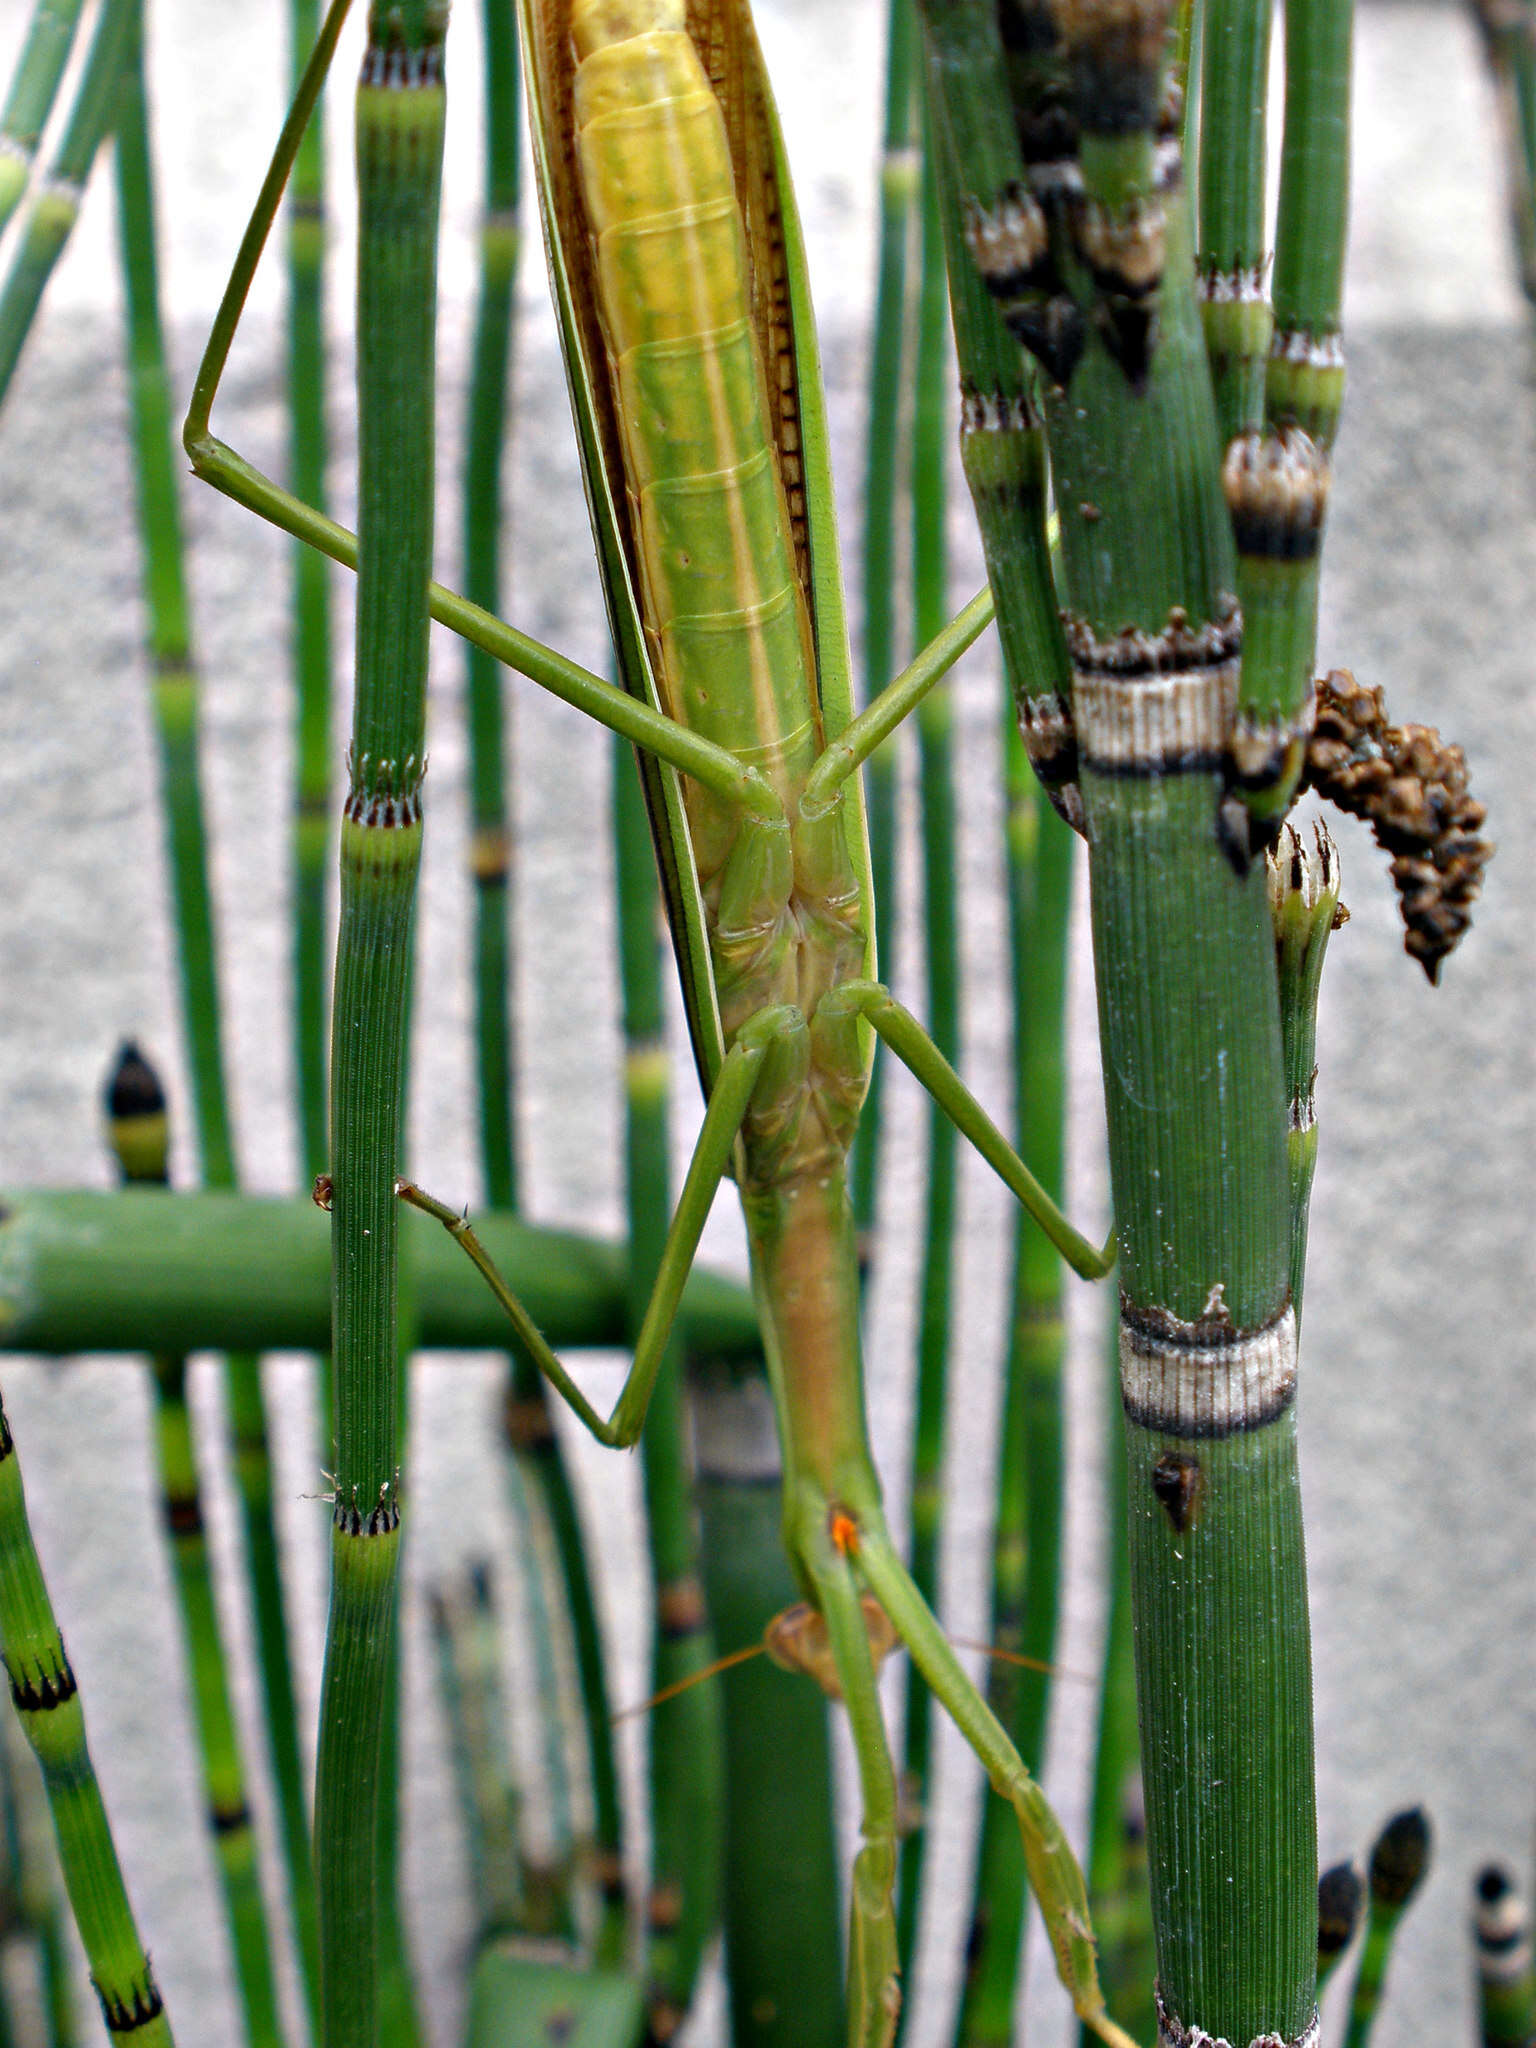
(545, 1487)
(308, 447)
(50, 37)
(1231, 261)
(400, 116)
(780, 1900)
(81, 1270)
(900, 177)
(176, 691)
(1188, 1008)
(686, 1742)
(138, 1129)
(47, 1702)
(935, 722)
(56, 205)
(1026, 1543)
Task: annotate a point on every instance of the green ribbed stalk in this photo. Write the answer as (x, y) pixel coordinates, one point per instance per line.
(1399, 1860)
(35, 1897)
(941, 948)
(47, 1702)
(1026, 1543)
(1190, 1030)
(1231, 257)
(1117, 1828)
(229, 1816)
(308, 446)
(780, 1903)
(544, 1482)
(1277, 480)
(1002, 448)
(50, 36)
(400, 114)
(176, 690)
(490, 854)
(900, 160)
(686, 1743)
(465, 1631)
(1506, 1976)
(81, 1270)
(138, 1129)
(56, 206)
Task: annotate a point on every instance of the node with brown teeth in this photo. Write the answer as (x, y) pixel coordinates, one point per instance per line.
(1410, 785)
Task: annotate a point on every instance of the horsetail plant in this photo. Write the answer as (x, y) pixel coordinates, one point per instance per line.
(29, 101)
(56, 205)
(400, 115)
(176, 695)
(48, 1705)
(1074, 216)
(139, 1131)
(1399, 1860)
(1506, 1976)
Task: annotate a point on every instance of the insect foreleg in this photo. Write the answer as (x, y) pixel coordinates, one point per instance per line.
(763, 1066)
(917, 1052)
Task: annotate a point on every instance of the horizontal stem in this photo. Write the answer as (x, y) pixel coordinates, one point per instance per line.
(89, 1271)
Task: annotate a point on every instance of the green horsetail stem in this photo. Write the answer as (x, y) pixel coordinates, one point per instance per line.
(467, 1638)
(83, 1270)
(176, 691)
(1026, 1543)
(899, 185)
(1277, 476)
(490, 844)
(138, 1129)
(308, 448)
(1231, 256)
(1189, 1015)
(1003, 452)
(1506, 1973)
(1509, 45)
(1340, 1898)
(941, 974)
(56, 205)
(545, 1488)
(50, 37)
(400, 117)
(48, 1705)
(1117, 1820)
(35, 1901)
(1399, 1860)
(686, 1741)
(1304, 904)
(780, 1899)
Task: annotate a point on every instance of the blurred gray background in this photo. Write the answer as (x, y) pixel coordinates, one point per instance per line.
(1416, 1425)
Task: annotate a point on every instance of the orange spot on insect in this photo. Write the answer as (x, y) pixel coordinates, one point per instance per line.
(845, 1532)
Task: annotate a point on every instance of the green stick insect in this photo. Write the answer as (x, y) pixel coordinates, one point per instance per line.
(680, 284)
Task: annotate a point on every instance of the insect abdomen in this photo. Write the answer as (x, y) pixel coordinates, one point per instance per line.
(720, 586)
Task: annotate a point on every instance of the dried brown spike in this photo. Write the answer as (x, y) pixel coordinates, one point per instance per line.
(1410, 786)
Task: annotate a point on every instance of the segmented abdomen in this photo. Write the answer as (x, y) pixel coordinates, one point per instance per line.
(720, 589)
